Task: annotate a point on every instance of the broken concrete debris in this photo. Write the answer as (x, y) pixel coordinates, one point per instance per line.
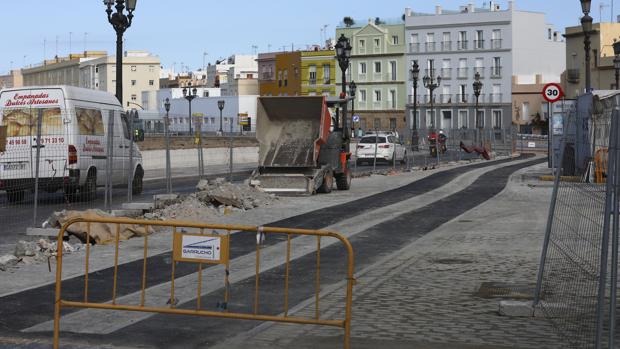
(31, 252)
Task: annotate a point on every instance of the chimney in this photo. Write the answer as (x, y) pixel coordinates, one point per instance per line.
(470, 8)
(408, 11)
(438, 9)
(539, 79)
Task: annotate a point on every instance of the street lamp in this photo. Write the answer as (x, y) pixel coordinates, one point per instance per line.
(220, 105)
(352, 92)
(343, 54)
(415, 75)
(617, 62)
(477, 89)
(120, 22)
(190, 93)
(431, 83)
(586, 25)
(167, 137)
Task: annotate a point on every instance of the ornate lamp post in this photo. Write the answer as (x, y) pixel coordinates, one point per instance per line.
(167, 137)
(220, 105)
(415, 75)
(343, 54)
(586, 25)
(477, 89)
(120, 22)
(193, 92)
(352, 92)
(617, 62)
(431, 83)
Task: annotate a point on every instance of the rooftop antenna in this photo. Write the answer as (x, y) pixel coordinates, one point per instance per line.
(254, 49)
(56, 46)
(601, 6)
(70, 39)
(44, 49)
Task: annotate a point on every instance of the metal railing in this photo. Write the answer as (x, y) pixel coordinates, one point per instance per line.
(461, 98)
(445, 98)
(461, 45)
(496, 44)
(214, 251)
(496, 72)
(446, 46)
(495, 98)
(431, 47)
(414, 47)
(462, 73)
(446, 73)
(478, 44)
(479, 70)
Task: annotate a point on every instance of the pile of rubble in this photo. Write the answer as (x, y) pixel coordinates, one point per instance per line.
(31, 252)
(213, 198)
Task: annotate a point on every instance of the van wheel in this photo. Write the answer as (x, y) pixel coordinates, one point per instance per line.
(14, 195)
(328, 184)
(343, 181)
(88, 191)
(136, 184)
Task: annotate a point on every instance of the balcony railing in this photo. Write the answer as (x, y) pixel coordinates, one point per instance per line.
(267, 76)
(573, 76)
(461, 45)
(479, 44)
(431, 47)
(446, 73)
(446, 46)
(495, 98)
(414, 47)
(427, 98)
(445, 98)
(461, 73)
(361, 77)
(496, 72)
(430, 72)
(480, 98)
(479, 70)
(461, 98)
(410, 99)
(312, 81)
(496, 44)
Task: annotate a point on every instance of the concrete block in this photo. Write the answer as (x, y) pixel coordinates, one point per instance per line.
(516, 308)
(144, 206)
(127, 213)
(52, 232)
(165, 197)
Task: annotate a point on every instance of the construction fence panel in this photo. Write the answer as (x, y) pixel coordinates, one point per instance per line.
(577, 280)
(202, 253)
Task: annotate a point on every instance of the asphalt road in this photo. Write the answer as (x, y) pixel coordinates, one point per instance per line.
(33, 306)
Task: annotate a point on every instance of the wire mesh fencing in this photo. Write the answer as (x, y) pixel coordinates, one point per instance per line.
(577, 281)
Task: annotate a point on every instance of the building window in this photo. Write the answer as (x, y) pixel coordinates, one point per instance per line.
(134, 97)
(377, 123)
(462, 43)
(134, 68)
(279, 78)
(363, 96)
(393, 70)
(496, 39)
(497, 119)
(377, 67)
(479, 43)
(362, 68)
(151, 68)
(285, 77)
(205, 93)
(151, 82)
(133, 82)
(480, 119)
(392, 124)
(327, 76)
(463, 119)
(429, 118)
(496, 69)
(377, 42)
(394, 39)
(377, 95)
(393, 98)
(312, 75)
(96, 69)
(362, 44)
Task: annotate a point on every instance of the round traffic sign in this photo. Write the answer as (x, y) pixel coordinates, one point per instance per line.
(552, 92)
(356, 118)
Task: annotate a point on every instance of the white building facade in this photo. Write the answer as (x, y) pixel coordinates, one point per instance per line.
(494, 42)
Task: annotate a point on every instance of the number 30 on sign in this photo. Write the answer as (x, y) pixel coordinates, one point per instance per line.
(552, 92)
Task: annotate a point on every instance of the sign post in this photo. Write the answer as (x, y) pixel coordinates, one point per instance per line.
(551, 93)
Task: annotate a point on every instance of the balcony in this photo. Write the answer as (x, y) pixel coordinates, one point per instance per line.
(414, 47)
(461, 73)
(446, 73)
(496, 72)
(431, 47)
(478, 44)
(361, 77)
(495, 98)
(446, 46)
(410, 99)
(480, 98)
(572, 76)
(312, 81)
(461, 45)
(479, 70)
(445, 99)
(496, 44)
(427, 98)
(267, 76)
(430, 72)
(460, 98)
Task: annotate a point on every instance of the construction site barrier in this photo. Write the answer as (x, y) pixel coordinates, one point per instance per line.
(215, 249)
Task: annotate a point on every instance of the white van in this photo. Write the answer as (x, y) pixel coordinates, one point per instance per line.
(73, 145)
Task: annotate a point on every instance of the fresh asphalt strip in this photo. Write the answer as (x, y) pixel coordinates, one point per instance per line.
(33, 306)
(370, 246)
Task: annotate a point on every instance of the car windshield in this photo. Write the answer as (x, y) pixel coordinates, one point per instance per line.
(372, 140)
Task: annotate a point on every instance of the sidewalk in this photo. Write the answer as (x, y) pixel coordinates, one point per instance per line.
(425, 295)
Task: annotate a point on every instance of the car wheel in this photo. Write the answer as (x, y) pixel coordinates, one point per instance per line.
(88, 191)
(327, 185)
(343, 181)
(136, 184)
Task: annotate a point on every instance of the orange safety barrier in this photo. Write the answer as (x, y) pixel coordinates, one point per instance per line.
(600, 162)
(193, 248)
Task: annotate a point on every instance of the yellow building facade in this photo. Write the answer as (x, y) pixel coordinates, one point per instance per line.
(318, 73)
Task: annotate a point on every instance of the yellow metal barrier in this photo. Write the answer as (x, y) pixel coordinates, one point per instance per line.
(213, 250)
(600, 161)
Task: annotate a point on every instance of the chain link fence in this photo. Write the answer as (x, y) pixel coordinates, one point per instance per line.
(577, 281)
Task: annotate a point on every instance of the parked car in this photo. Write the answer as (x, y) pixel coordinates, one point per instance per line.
(73, 148)
(386, 146)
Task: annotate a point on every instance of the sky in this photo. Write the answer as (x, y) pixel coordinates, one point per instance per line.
(180, 32)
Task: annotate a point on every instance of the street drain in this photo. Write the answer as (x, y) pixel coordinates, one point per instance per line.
(452, 261)
(504, 290)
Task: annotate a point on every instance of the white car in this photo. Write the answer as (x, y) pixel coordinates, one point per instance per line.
(74, 141)
(386, 146)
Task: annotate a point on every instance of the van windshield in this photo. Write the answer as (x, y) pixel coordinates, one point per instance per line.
(372, 140)
(22, 122)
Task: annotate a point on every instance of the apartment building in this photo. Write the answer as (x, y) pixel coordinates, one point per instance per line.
(267, 73)
(378, 68)
(217, 74)
(59, 71)
(497, 43)
(318, 72)
(602, 71)
(13, 79)
(241, 80)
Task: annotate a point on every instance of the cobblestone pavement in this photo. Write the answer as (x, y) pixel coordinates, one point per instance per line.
(425, 295)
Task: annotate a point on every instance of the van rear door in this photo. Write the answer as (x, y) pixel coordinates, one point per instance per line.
(20, 112)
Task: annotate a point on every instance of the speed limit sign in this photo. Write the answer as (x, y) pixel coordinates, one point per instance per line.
(552, 92)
